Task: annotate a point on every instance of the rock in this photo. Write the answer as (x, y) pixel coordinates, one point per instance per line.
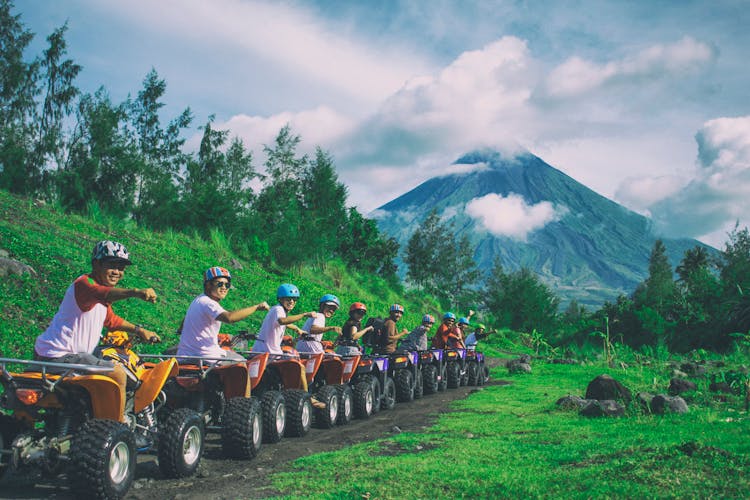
(720, 387)
(603, 408)
(566, 361)
(605, 387)
(11, 266)
(644, 400)
(693, 369)
(572, 402)
(680, 385)
(662, 403)
(516, 366)
(235, 264)
(396, 429)
(678, 374)
(525, 358)
(4, 254)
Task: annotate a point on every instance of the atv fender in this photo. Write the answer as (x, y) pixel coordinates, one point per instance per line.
(106, 396)
(152, 381)
(235, 380)
(256, 366)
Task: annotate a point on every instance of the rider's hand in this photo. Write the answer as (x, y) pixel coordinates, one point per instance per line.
(263, 306)
(149, 336)
(148, 294)
(311, 314)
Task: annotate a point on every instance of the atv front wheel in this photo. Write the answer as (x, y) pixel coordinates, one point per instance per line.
(389, 394)
(346, 404)
(472, 371)
(181, 443)
(274, 416)
(443, 381)
(299, 412)
(102, 460)
(325, 418)
(418, 385)
(404, 386)
(430, 379)
(364, 401)
(242, 432)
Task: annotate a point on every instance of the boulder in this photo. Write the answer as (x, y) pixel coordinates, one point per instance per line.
(572, 402)
(720, 387)
(661, 404)
(605, 387)
(693, 369)
(603, 408)
(644, 400)
(11, 266)
(680, 385)
(517, 366)
(565, 361)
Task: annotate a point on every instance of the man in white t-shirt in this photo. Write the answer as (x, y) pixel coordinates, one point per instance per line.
(199, 335)
(277, 320)
(86, 309)
(316, 327)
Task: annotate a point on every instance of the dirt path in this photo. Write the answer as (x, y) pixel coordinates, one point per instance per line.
(220, 478)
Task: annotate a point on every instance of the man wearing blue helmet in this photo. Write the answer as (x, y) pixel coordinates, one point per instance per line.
(316, 327)
(199, 334)
(417, 338)
(276, 321)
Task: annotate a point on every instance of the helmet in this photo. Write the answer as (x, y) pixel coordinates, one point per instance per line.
(397, 308)
(358, 306)
(449, 315)
(330, 300)
(105, 250)
(216, 272)
(480, 326)
(287, 290)
(428, 319)
(463, 321)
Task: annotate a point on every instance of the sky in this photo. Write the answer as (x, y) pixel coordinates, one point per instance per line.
(645, 102)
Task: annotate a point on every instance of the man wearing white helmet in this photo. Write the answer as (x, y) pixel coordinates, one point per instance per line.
(86, 309)
(200, 329)
(316, 327)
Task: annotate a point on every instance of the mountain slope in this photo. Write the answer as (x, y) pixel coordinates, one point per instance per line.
(592, 250)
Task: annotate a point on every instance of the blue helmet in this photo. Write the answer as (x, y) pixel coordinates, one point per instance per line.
(449, 315)
(463, 321)
(216, 272)
(330, 300)
(287, 290)
(397, 308)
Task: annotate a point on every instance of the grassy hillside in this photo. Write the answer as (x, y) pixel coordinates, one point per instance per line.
(58, 247)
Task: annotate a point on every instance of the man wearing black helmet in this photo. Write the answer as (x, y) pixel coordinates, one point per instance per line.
(86, 309)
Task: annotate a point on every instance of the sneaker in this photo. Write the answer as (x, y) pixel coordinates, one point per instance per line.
(317, 404)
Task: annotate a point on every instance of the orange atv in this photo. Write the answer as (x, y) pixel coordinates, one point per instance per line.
(72, 414)
(219, 390)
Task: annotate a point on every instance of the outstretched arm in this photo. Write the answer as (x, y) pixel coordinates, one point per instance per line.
(240, 314)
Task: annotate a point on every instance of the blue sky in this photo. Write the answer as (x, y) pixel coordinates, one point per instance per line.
(644, 102)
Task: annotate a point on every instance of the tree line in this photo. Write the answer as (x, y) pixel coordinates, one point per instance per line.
(82, 150)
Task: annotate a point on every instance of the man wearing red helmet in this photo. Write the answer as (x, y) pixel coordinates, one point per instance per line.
(350, 332)
(200, 329)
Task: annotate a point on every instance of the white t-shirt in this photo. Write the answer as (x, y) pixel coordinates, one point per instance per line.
(200, 329)
(471, 341)
(271, 331)
(312, 345)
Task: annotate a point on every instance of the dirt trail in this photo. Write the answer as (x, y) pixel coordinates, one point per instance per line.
(220, 478)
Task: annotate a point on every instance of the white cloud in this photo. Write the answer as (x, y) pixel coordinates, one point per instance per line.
(511, 216)
(719, 195)
(577, 76)
(639, 193)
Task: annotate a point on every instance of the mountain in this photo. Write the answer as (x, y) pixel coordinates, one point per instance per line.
(590, 249)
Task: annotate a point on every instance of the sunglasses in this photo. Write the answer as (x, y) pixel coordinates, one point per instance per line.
(222, 284)
(115, 265)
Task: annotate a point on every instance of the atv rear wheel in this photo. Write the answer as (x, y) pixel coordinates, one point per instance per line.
(346, 404)
(389, 394)
(274, 416)
(404, 386)
(102, 460)
(325, 418)
(376, 394)
(430, 379)
(364, 401)
(453, 375)
(443, 380)
(242, 432)
(472, 371)
(181, 443)
(299, 412)
(418, 385)
(8, 430)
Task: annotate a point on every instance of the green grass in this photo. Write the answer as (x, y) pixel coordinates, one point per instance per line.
(512, 441)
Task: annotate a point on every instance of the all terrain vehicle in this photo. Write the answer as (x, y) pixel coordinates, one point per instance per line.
(70, 418)
(219, 391)
(433, 370)
(404, 368)
(455, 362)
(372, 370)
(477, 372)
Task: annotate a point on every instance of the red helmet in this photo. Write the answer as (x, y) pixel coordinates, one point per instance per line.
(358, 306)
